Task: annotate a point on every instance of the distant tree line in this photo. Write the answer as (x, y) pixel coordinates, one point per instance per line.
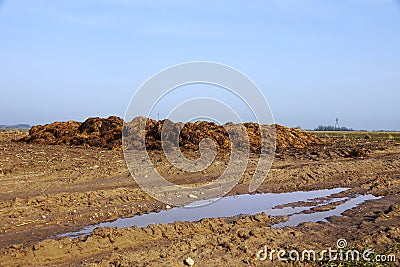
(332, 128)
(15, 126)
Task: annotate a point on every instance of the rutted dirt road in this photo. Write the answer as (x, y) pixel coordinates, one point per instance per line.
(51, 189)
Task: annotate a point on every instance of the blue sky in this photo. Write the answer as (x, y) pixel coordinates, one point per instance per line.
(314, 60)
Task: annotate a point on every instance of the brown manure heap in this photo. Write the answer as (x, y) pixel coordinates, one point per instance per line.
(107, 133)
(97, 132)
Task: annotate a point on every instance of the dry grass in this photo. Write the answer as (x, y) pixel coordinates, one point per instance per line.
(359, 135)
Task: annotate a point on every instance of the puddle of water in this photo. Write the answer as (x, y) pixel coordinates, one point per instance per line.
(239, 205)
(296, 219)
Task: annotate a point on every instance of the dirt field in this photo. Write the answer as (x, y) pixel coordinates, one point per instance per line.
(48, 190)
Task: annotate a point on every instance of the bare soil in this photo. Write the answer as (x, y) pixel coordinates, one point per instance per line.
(47, 190)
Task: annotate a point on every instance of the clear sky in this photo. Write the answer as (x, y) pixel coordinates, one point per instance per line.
(314, 60)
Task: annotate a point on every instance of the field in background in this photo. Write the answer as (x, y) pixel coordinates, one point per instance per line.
(358, 135)
(24, 130)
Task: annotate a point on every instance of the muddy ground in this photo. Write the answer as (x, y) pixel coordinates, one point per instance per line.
(48, 190)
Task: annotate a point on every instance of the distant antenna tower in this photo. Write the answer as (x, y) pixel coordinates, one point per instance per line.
(158, 116)
(337, 124)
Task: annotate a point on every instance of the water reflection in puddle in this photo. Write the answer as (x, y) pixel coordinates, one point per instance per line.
(245, 205)
(296, 219)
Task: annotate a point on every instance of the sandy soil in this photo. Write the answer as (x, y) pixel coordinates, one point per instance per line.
(52, 189)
